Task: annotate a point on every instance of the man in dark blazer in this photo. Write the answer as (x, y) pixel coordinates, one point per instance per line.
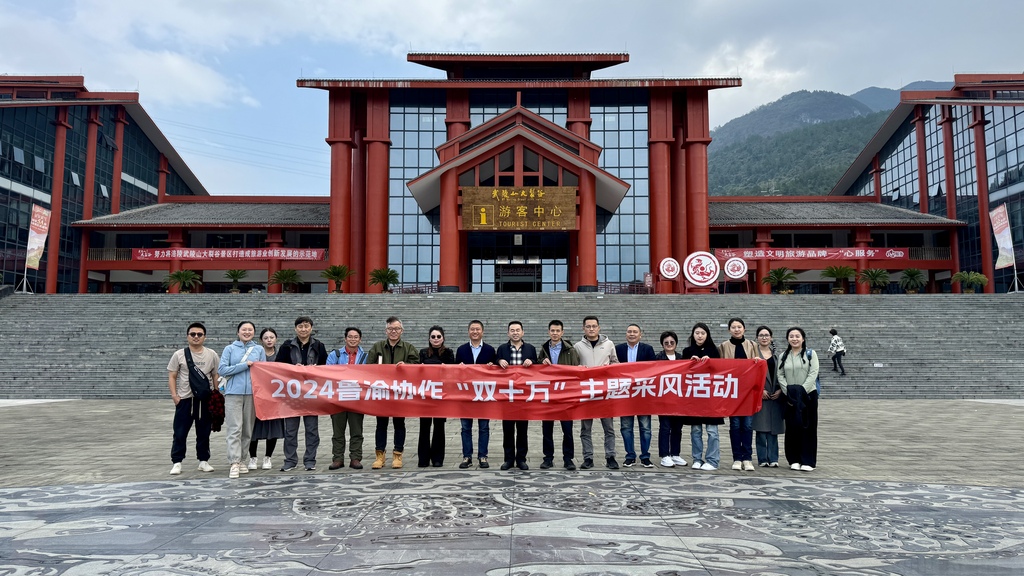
(515, 352)
(476, 351)
(633, 350)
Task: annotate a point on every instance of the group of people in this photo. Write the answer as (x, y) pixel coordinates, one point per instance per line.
(789, 399)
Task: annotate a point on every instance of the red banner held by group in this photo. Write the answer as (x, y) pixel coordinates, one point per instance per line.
(710, 388)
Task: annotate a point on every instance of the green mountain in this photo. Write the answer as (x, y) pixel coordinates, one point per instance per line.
(886, 98)
(801, 162)
(792, 111)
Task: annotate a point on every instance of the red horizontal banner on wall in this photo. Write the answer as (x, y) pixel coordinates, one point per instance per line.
(227, 253)
(681, 388)
(812, 253)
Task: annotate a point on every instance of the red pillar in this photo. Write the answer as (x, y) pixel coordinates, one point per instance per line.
(984, 221)
(578, 121)
(340, 140)
(457, 123)
(275, 239)
(88, 191)
(586, 243)
(697, 140)
(680, 225)
(763, 242)
(115, 183)
(862, 239)
(922, 158)
(377, 144)
(876, 173)
(175, 239)
(949, 166)
(56, 198)
(357, 236)
(161, 188)
(448, 279)
(660, 141)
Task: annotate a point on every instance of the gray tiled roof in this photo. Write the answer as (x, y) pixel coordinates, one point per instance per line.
(769, 213)
(221, 213)
(722, 214)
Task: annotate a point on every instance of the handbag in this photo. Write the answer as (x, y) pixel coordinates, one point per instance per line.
(197, 381)
(216, 411)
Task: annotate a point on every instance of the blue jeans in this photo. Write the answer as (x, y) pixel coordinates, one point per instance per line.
(697, 444)
(626, 428)
(767, 447)
(467, 437)
(741, 436)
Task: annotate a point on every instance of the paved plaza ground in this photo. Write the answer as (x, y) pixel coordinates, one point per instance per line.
(902, 487)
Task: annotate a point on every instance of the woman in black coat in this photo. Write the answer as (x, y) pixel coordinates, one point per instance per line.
(702, 347)
(431, 446)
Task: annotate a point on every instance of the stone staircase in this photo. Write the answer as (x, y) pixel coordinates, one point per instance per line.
(117, 346)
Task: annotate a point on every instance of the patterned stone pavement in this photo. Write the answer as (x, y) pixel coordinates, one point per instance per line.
(86, 491)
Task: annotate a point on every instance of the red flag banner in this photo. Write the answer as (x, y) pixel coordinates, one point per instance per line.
(676, 388)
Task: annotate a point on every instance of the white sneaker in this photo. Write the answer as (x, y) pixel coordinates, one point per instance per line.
(252, 463)
(679, 460)
(266, 463)
(737, 465)
(233, 473)
(242, 468)
(748, 465)
(806, 468)
(666, 462)
(204, 466)
(708, 466)
(697, 464)
(176, 469)
(794, 466)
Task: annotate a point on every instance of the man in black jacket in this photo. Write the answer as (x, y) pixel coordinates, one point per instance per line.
(303, 350)
(515, 352)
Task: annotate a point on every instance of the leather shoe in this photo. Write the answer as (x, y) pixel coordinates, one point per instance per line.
(522, 465)
(547, 463)
(569, 465)
(588, 463)
(611, 464)
(335, 464)
(355, 464)
(506, 465)
(437, 464)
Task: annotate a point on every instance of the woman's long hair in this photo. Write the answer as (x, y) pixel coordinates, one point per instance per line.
(803, 347)
(431, 351)
(708, 341)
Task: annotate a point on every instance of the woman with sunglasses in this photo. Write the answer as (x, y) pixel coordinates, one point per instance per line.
(431, 444)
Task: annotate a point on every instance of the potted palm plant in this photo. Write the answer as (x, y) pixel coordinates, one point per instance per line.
(841, 275)
(780, 278)
(185, 280)
(337, 273)
(384, 277)
(235, 275)
(288, 278)
(875, 278)
(912, 280)
(969, 281)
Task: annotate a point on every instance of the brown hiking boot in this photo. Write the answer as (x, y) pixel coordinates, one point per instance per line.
(355, 464)
(378, 463)
(396, 462)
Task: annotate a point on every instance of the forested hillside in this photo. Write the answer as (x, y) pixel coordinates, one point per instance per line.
(802, 162)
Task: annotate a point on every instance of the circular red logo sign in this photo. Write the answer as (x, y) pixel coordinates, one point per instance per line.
(669, 268)
(701, 268)
(735, 268)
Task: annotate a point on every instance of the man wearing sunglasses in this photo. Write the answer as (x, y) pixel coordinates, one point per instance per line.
(189, 410)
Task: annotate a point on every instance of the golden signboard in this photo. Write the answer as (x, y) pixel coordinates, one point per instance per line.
(518, 209)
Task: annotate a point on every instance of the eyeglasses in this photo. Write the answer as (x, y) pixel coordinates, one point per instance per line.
(196, 334)
(668, 343)
(398, 329)
(436, 336)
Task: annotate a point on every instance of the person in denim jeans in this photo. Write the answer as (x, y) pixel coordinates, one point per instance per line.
(633, 350)
(476, 351)
(701, 347)
(741, 430)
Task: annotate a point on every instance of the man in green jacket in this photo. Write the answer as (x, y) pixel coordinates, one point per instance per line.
(391, 350)
(554, 351)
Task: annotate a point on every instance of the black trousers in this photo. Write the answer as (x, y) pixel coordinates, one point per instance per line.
(514, 439)
(431, 445)
(802, 439)
(187, 412)
(547, 428)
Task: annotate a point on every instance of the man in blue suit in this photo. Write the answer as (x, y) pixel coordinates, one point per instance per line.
(633, 350)
(476, 351)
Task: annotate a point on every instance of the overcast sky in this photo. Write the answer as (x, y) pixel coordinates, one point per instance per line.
(219, 76)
